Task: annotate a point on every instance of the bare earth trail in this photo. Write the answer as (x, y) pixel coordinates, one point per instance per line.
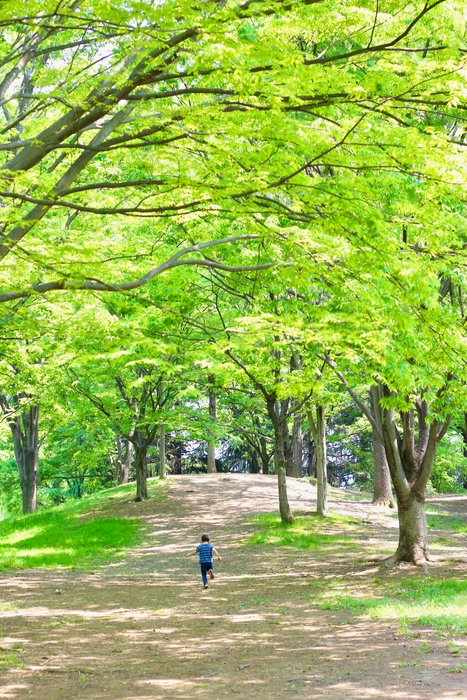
(144, 628)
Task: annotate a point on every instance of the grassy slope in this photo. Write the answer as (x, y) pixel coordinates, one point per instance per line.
(76, 533)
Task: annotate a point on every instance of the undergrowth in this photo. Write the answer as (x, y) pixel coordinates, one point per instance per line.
(77, 533)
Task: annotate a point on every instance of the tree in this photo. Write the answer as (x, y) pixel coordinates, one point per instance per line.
(23, 420)
(186, 113)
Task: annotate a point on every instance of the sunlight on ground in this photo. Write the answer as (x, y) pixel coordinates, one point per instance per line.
(274, 623)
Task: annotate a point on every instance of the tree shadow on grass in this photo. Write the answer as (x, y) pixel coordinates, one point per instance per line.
(306, 532)
(440, 603)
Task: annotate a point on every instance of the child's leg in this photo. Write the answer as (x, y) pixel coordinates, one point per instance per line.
(204, 569)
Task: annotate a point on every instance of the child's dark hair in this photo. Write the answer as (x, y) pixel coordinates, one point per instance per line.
(205, 538)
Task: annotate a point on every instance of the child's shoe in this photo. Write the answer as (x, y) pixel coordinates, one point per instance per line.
(211, 574)
(206, 586)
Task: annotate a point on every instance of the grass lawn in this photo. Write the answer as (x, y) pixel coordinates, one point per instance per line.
(77, 533)
(438, 601)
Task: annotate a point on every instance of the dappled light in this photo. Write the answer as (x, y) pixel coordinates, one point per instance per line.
(278, 620)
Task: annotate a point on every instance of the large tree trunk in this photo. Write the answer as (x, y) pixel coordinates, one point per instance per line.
(25, 428)
(297, 448)
(162, 470)
(318, 430)
(410, 463)
(211, 466)
(141, 467)
(382, 491)
(413, 537)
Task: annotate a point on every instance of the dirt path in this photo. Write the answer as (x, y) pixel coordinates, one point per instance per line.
(143, 628)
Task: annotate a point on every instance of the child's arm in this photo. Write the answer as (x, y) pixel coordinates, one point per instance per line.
(191, 554)
(216, 553)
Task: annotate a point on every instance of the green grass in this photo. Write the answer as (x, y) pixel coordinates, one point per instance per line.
(78, 533)
(438, 603)
(450, 523)
(9, 660)
(306, 532)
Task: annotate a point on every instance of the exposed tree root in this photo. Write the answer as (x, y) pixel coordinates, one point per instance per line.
(384, 502)
(377, 558)
(391, 562)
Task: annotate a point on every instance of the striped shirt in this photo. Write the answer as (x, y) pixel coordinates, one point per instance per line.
(205, 552)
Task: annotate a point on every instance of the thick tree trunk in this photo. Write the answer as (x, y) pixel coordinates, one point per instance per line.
(297, 449)
(413, 537)
(211, 466)
(162, 470)
(382, 491)
(25, 429)
(141, 468)
(411, 463)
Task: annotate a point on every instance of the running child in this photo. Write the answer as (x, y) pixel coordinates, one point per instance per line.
(205, 551)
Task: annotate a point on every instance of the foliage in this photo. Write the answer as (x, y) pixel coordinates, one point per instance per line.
(450, 467)
(10, 493)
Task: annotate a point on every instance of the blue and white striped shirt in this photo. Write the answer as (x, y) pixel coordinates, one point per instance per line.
(205, 552)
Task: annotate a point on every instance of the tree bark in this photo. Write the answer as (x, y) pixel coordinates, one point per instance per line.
(297, 448)
(177, 458)
(382, 491)
(413, 536)
(410, 463)
(318, 430)
(311, 453)
(265, 458)
(30, 458)
(141, 467)
(211, 465)
(288, 451)
(277, 422)
(25, 431)
(162, 470)
(127, 462)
